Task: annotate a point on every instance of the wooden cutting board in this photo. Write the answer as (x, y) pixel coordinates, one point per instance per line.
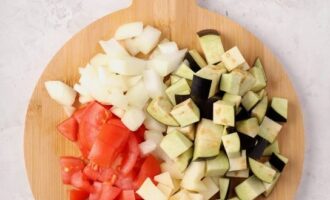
(178, 20)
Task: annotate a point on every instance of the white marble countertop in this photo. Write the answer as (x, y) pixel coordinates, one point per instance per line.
(31, 32)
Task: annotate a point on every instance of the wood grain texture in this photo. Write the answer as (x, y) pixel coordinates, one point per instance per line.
(178, 20)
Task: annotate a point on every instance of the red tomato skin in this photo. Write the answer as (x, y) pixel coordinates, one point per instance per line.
(127, 195)
(126, 182)
(78, 194)
(109, 143)
(80, 181)
(109, 192)
(69, 166)
(97, 191)
(149, 169)
(131, 155)
(78, 114)
(140, 133)
(69, 129)
(97, 173)
(91, 121)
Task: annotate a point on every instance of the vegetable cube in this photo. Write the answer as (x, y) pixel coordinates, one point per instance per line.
(175, 143)
(223, 113)
(233, 58)
(186, 113)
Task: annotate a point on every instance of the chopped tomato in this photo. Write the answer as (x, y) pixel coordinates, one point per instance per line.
(125, 181)
(109, 192)
(78, 114)
(97, 191)
(91, 122)
(78, 195)
(97, 173)
(109, 143)
(69, 166)
(131, 155)
(80, 181)
(140, 133)
(116, 122)
(69, 128)
(149, 169)
(127, 195)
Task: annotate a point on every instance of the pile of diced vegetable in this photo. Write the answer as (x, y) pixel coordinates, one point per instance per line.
(175, 126)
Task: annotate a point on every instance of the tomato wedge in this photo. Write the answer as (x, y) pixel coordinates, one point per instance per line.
(69, 128)
(78, 195)
(80, 181)
(140, 133)
(109, 192)
(131, 155)
(127, 195)
(91, 122)
(96, 173)
(97, 191)
(149, 169)
(69, 166)
(109, 143)
(125, 182)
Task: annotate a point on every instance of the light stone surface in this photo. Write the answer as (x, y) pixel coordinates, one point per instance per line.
(297, 31)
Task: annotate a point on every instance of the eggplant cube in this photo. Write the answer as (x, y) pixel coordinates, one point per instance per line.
(269, 129)
(233, 58)
(231, 82)
(186, 113)
(232, 98)
(224, 113)
(249, 100)
(211, 44)
(184, 71)
(232, 144)
(175, 143)
(250, 189)
(238, 163)
(248, 127)
(179, 87)
(260, 82)
(217, 166)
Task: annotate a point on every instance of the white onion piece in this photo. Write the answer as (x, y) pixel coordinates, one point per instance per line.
(147, 147)
(165, 64)
(119, 112)
(137, 95)
(154, 136)
(151, 124)
(129, 30)
(118, 99)
(61, 92)
(69, 110)
(85, 99)
(131, 47)
(113, 48)
(148, 39)
(133, 118)
(127, 65)
(153, 83)
(133, 80)
(100, 59)
(81, 90)
(113, 81)
(168, 47)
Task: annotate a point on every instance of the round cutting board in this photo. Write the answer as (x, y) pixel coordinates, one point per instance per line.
(178, 20)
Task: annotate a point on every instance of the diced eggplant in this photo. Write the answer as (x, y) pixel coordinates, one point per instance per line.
(208, 139)
(230, 129)
(183, 160)
(232, 98)
(181, 195)
(238, 163)
(175, 144)
(193, 176)
(186, 113)
(195, 60)
(269, 129)
(179, 98)
(247, 142)
(211, 188)
(247, 83)
(242, 114)
(180, 87)
(233, 58)
(278, 161)
(200, 88)
(248, 127)
(211, 44)
(257, 151)
(272, 148)
(172, 168)
(230, 82)
(249, 100)
(258, 64)
(149, 191)
(239, 174)
(234, 198)
(206, 107)
(262, 93)
(223, 113)
(278, 110)
(184, 71)
(160, 108)
(232, 144)
(174, 78)
(250, 189)
(217, 166)
(212, 73)
(260, 81)
(262, 171)
(188, 131)
(259, 111)
(270, 186)
(224, 186)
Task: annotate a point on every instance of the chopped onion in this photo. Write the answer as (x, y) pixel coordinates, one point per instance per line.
(133, 118)
(137, 95)
(100, 60)
(153, 83)
(154, 136)
(129, 30)
(168, 47)
(127, 65)
(61, 92)
(69, 110)
(131, 47)
(147, 147)
(118, 99)
(113, 48)
(148, 39)
(119, 112)
(151, 124)
(133, 80)
(85, 99)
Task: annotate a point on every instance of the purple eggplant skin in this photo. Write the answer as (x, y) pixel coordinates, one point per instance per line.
(207, 32)
(192, 63)
(257, 151)
(181, 98)
(276, 162)
(273, 115)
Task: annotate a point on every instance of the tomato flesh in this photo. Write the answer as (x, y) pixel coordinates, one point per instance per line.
(131, 155)
(69, 166)
(78, 195)
(127, 195)
(149, 169)
(109, 192)
(69, 129)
